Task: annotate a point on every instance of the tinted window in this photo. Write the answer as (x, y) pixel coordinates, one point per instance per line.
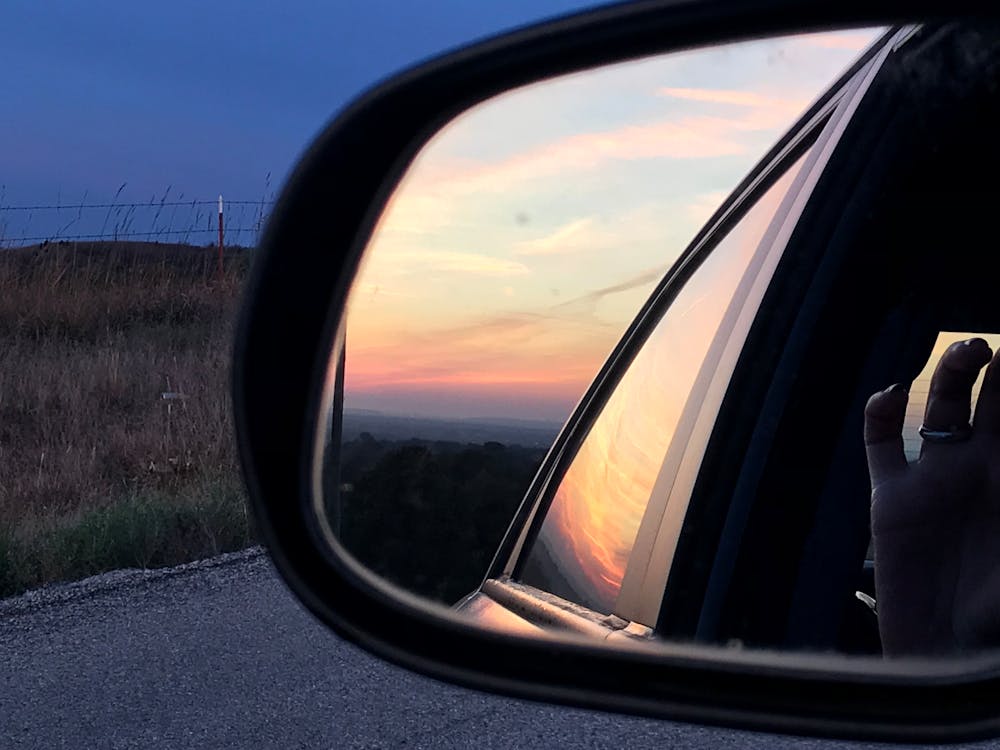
(584, 544)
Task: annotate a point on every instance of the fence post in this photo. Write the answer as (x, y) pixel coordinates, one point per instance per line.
(220, 236)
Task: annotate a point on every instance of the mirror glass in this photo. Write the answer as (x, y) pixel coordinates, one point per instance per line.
(514, 255)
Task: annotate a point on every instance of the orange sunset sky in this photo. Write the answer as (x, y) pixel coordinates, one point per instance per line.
(526, 235)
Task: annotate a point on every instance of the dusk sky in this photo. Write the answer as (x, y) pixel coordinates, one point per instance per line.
(530, 230)
(199, 97)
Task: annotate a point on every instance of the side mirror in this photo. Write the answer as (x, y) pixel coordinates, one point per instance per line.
(634, 568)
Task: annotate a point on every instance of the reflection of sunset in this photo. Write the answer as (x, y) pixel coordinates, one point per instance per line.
(596, 510)
(602, 496)
(526, 234)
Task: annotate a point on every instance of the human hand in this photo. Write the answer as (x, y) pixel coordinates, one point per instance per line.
(936, 521)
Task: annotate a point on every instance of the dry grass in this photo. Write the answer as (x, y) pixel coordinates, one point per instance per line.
(91, 338)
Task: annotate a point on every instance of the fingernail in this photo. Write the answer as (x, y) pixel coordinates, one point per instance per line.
(898, 388)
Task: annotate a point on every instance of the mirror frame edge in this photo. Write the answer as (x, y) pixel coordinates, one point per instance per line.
(285, 344)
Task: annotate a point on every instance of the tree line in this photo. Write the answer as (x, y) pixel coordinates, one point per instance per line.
(429, 515)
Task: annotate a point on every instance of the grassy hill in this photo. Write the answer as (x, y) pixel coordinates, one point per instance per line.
(116, 446)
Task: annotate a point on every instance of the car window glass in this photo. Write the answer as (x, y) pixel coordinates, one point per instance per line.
(583, 546)
(920, 387)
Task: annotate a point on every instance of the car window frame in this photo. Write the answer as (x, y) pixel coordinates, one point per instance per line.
(648, 595)
(651, 559)
(742, 500)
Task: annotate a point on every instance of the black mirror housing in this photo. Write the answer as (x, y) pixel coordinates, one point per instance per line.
(288, 333)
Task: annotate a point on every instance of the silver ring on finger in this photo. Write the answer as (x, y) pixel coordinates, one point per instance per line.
(957, 434)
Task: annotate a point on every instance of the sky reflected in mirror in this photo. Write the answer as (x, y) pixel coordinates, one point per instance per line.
(528, 232)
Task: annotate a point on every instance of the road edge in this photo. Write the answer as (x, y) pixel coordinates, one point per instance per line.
(57, 594)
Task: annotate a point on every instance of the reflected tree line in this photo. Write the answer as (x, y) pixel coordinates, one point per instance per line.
(428, 515)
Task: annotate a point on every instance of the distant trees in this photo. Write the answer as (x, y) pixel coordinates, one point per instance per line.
(429, 515)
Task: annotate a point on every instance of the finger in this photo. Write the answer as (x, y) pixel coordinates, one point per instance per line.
(988, 406)
(884, 415)
(950, 397)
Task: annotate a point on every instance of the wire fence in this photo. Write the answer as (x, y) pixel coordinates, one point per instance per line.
(168, 221)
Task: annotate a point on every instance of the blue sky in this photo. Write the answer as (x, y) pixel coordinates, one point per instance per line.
(201, 97)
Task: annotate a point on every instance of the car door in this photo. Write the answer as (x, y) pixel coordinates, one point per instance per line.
(611, 521)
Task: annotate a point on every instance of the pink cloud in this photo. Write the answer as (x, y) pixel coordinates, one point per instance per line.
(719, 96)
(848, 40)
(675, 138)
(569, 238)
(761, 110)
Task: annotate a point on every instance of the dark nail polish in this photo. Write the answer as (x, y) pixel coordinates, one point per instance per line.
(898, 388)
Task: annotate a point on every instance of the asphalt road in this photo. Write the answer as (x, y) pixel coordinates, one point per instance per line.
(220, 655)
